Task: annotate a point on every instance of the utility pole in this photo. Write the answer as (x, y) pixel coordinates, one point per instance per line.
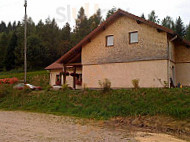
(25, 42)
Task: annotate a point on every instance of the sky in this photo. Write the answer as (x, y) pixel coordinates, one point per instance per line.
(66, 10)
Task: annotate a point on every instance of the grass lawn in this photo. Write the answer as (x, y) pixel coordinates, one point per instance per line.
(99, 105)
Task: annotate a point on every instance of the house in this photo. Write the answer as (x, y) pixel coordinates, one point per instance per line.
(123, 48)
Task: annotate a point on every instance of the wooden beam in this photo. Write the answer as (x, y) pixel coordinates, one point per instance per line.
(74, 64)
(64, 76)
(74, 58)
(66, 60)
(74, 78)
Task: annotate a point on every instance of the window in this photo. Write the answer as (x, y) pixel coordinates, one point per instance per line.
(79, 79)
(109, 40)
(57, 77)
(58, 80)
(133, 36)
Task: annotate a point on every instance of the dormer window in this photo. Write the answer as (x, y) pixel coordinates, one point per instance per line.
(133, 37)
(109, 40)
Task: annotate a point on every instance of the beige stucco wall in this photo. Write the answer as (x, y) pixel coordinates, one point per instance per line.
(53, 74)
(149, 73)
(183, 73)
(183, 65)
(182, 54)
(124, 62)
(152, 44)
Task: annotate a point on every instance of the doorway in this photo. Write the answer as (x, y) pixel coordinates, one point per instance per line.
(173, 75)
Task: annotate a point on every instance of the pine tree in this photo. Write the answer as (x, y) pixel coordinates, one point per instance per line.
(187, 36)
(14, 25)
(82, 27)
(19, 50)
(152, 17)
(39, 26)
(9, 27)
(4, 39)
(66, 32)
(31, 28)
(142, 16)
(9, 61)
(168, 22)
(179, 27)
(65, 43)
(51, 37)
(36, 52)
(111, 12)
(3, 27)
(95, 20)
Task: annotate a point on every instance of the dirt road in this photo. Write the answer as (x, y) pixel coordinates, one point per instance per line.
(33, 127)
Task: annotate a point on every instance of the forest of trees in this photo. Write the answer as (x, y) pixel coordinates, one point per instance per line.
(46, 42)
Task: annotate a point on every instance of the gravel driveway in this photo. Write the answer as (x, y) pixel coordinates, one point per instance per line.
(34, 127)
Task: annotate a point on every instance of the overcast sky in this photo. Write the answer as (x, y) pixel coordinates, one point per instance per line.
(66, 10)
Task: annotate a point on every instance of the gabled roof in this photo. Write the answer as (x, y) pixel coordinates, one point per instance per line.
(54, 66)
(77, 49)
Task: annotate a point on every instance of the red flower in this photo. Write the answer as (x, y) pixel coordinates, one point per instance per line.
(9, 80)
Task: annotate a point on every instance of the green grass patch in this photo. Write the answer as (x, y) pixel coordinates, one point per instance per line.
(99, 105)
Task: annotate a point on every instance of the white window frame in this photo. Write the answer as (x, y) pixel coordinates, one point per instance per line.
(109, 40)
(132, 35)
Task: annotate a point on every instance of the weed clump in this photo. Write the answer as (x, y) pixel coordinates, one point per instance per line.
(105, 85)
(65, 87)
(135, 83)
